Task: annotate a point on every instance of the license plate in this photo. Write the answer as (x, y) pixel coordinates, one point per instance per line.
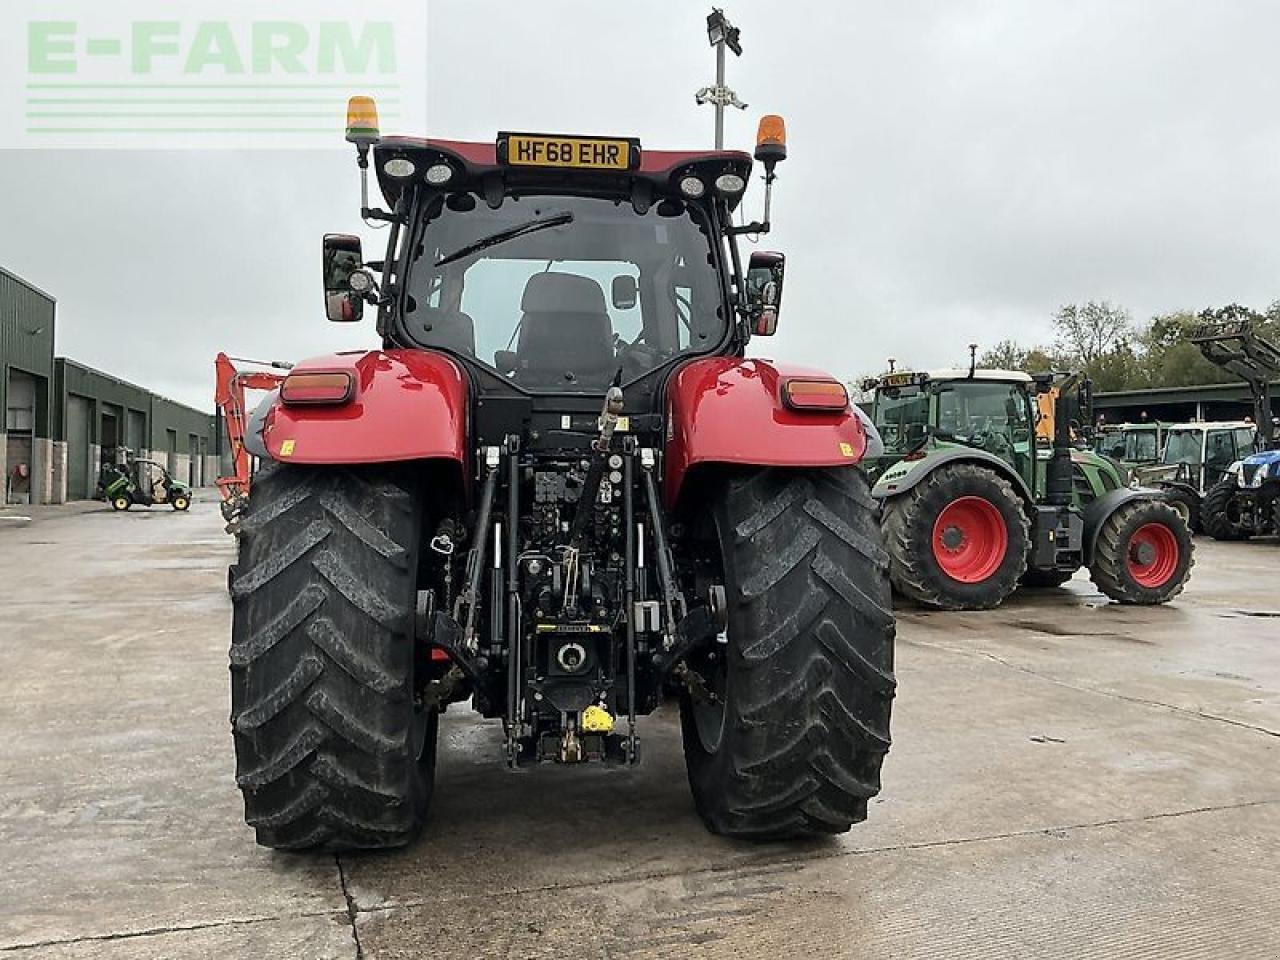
(577, 153)
(900, 380)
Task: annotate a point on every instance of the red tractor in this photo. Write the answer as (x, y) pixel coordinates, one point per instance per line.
(558, 490)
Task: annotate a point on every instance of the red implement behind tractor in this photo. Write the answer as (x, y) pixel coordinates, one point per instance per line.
(559, 490)
(229, 395)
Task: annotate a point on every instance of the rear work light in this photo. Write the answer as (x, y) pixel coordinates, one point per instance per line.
(303, 388)
(829, 395)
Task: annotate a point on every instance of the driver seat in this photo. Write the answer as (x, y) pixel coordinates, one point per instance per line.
(566, 336)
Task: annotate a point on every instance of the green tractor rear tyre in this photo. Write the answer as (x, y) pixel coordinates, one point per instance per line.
(957, 540)
(1144, 553)
(1220, 515)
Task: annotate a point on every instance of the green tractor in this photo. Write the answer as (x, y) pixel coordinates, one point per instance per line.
(975, 504)
(143, 483)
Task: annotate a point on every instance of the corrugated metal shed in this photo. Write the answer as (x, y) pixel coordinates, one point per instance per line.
(1208, 392)
(26, 340)
(97, 410)
(110, 394)
(92, 411)
(181, 420)
(121, 398)
(1213, 401)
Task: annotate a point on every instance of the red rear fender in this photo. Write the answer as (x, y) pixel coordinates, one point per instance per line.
(729, 410)
(408, 405)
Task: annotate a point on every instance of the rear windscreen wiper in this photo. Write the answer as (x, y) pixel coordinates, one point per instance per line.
(502, 236)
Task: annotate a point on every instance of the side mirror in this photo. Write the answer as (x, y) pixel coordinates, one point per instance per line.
(764, 292)
(343, 258)
(625, 292)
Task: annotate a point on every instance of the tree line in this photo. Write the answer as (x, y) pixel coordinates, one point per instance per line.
(1102, 340)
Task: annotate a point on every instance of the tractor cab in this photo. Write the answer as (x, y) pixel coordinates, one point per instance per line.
(554, 268)
(1200, 454)
(1132, 444)
(991, 411)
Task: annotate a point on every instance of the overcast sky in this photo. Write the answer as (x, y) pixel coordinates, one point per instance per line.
(958, 170)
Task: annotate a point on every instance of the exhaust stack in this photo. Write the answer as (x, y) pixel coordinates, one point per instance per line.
(1066, 409)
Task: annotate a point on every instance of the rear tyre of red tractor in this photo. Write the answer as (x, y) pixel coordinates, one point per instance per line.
(1143, 554)
(793, 741)
(958, 539)
(332, 749)
(1220, 513)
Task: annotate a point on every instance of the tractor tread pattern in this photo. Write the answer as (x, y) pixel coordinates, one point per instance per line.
(811, 658)
(908, 525)
(321, 661)
(1215, 517)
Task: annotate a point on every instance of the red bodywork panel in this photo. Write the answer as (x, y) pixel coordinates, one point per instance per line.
(408, 405)
(730, 410)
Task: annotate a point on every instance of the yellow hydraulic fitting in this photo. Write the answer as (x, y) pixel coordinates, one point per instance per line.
(596, 720)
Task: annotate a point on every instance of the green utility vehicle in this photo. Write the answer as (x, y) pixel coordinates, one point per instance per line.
(974, 504)
(143, 483)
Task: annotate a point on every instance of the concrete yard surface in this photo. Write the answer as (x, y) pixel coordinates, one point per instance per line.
(1069, 778)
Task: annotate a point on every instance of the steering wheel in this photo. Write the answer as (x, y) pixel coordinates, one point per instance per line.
(637, 354)
(994, 442)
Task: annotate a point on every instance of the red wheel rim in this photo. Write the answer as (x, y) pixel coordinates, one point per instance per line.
(970, 539)
(1152, 556)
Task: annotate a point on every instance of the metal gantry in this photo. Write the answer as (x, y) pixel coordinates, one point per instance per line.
(722, 35)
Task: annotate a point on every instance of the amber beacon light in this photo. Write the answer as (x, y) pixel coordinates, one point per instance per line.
(362, 120)
(771, 140)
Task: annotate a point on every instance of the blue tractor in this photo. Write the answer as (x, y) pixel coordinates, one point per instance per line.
(1246, 502)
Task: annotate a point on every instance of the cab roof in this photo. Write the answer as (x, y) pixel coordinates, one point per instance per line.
(999, 376)
(478, 162)
(1210, 425)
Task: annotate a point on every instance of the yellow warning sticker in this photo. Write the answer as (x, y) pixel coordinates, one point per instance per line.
(286, 448)
(847, 449)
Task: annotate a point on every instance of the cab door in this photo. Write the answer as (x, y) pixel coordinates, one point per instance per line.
(1023, 432)
(1219, 453)
(994, 416)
